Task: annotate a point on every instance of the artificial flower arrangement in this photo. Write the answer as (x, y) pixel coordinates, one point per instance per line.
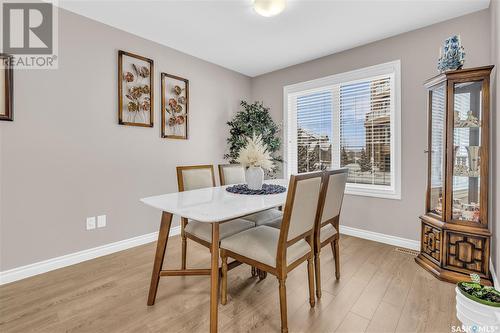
(255, 154)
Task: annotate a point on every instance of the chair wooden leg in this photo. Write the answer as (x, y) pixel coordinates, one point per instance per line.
(310, 277)
(161, 245)
(336, 257)
(214, 278)
(283, 311)
(184, 243)
(317, 269)
(262, 274)
(223, 300)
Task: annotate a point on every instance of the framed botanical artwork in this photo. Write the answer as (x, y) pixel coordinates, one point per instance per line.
(174, 106)
(135, 90)
(6, 88)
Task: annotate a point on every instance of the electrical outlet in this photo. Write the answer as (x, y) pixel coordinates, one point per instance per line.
(90, 223)
(101, 221)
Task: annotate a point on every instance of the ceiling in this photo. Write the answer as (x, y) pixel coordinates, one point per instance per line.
(229, 32)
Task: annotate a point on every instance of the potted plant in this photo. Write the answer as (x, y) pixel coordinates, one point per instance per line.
(254, 118)
(255, 157)
(478, 305)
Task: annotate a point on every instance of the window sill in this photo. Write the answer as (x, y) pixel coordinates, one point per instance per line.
(365, 192)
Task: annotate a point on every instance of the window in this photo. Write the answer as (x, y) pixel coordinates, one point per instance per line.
(349, 120)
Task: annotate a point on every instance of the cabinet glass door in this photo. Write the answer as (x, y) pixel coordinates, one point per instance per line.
(436, 149)
(467, 116)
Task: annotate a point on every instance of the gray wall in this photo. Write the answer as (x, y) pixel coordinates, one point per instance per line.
(495, 59)
(65, 157)
(418, 51)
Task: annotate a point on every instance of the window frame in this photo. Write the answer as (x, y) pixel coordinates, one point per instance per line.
(392, 68)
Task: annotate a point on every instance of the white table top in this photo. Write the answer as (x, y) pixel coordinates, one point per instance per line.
(215, 204)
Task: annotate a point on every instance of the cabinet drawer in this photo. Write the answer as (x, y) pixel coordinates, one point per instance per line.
(431, 242)
(466, 253)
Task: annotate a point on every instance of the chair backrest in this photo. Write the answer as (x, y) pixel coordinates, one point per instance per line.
(300, 212)
(194, 177)
(334, 181)
(231, 174)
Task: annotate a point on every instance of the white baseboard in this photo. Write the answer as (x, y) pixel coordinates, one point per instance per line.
(23, 272)
(382, 238)
(494, 276)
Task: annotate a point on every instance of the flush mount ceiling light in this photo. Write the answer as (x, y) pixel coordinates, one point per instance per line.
(269, 8)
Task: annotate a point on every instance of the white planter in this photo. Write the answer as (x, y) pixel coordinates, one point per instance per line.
(472, 313)
(254, 177)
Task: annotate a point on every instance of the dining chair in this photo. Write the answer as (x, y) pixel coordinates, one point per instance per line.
(326, 230)
(230, 174)
(235, 174)
(278, 251)
(196, 177)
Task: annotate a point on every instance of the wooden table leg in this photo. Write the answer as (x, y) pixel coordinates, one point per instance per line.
(161, 245)
(214, 278)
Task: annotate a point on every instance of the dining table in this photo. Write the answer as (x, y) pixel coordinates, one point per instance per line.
(214, 205)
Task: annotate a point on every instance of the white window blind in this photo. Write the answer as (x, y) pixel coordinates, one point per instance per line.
(365, 130)
(313, 118)
(347, 120)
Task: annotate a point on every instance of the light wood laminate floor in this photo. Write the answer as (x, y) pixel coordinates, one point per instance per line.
(380, 290)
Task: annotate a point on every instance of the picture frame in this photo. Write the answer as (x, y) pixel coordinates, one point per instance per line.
(135, 90)
(174, 107)
(6, 88)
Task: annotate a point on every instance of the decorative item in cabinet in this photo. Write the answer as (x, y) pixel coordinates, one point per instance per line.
(451, 54)
(470, 122)
(457, 182)
(135, 90)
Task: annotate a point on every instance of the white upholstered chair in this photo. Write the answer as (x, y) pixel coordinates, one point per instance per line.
(235, 174)
(196, 177)
(278, 251)
(327, 225)
(231, 174)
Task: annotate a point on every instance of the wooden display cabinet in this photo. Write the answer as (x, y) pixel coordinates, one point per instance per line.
(455, 238)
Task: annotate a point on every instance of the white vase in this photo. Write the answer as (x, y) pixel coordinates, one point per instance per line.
(254, 177)
(472, 313)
